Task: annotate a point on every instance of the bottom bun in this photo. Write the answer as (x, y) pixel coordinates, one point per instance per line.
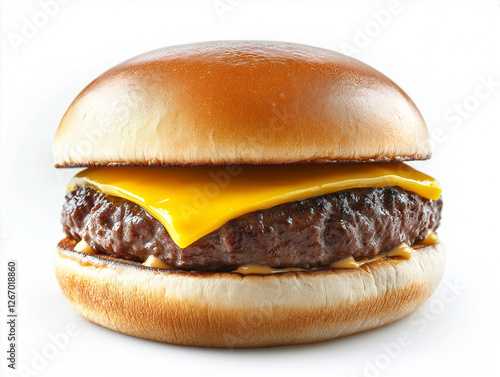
(236, 311)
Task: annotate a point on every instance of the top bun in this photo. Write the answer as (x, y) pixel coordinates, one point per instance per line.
(240, 102)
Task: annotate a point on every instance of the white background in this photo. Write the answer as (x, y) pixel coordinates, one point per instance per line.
(442, 56)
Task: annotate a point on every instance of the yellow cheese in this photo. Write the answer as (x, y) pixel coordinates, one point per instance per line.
(194, 201)
(403, 251)
(84, 247)
(153, 261)
(430, 239)
(255, 269)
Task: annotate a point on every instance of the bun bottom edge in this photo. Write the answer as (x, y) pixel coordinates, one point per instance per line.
(227, 310)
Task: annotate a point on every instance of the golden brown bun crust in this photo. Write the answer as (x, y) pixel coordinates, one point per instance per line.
(235, 311)
(240, 102)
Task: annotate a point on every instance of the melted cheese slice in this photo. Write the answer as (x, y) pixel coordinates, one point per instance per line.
(194, 201)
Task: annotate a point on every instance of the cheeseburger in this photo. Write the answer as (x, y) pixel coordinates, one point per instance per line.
(246, 194)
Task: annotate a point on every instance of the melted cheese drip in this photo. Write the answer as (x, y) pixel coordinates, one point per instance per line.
(194, 201)
(153, 261)
(402, 250)
(430, 239)
(84, 247)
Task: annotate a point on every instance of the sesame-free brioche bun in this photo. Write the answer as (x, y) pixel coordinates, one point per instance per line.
(233, 310)
(240, 102)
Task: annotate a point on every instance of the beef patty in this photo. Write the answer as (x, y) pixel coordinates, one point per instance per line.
(306, 233)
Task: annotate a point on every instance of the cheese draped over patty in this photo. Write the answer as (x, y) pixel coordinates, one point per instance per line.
(194, 201)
